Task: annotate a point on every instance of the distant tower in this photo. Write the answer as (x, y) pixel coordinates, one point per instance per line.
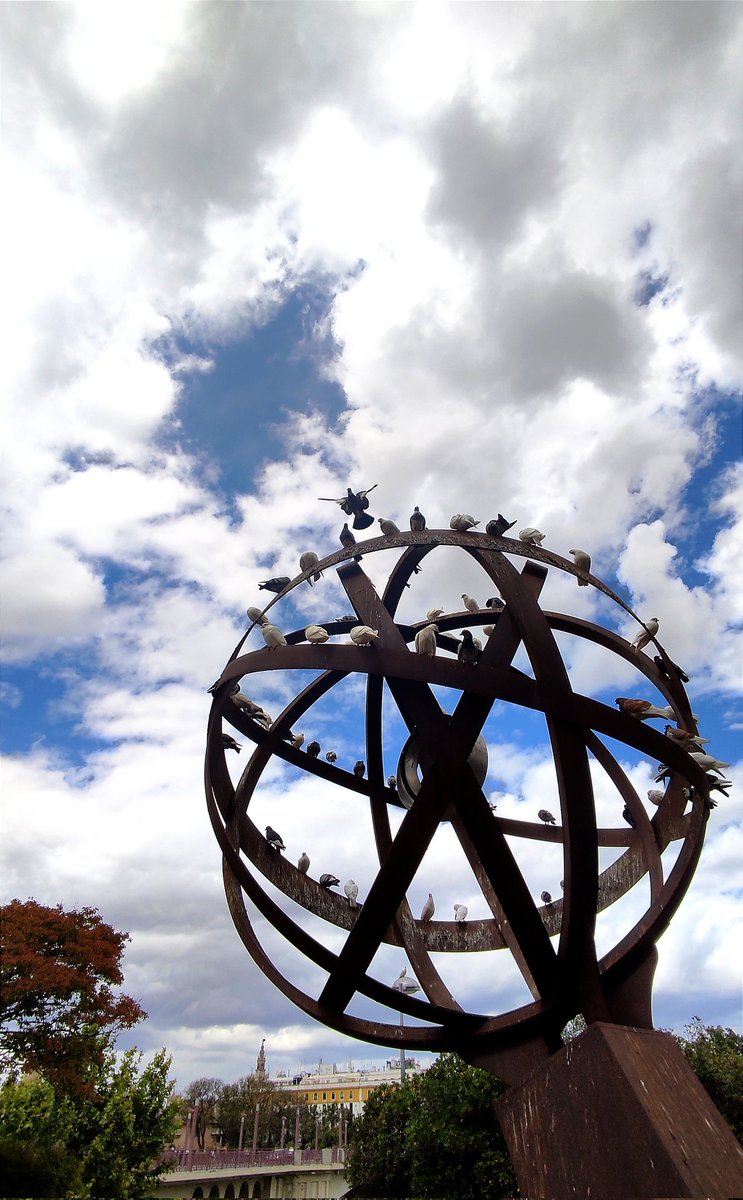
(260, 1066)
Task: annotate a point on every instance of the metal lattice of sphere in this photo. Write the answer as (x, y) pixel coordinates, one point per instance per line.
(441, 772)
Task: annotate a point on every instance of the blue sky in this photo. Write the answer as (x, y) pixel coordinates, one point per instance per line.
(436, 248)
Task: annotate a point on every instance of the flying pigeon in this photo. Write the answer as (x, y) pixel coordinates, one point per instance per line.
(274, 839)
(352, 890)
(316, 634)
(429, 908)
(303, 863)
(470, 603)
(388, 527)
(642, 709)
(347, 540)
(462, 522)
(257, 616)
(655, 796)
(417, 520)
(500, 526)
(684, 738)
(664, 670)
(546, 816)
(272, 636)
(547, 899)
(363, 635)
(583, 563)
(229, 743)
(628, 816)
(468, 651)
(331, 756)
(494, 602)
(354, 504)
(276, 584)
(433, 613)
(328, 881)
(306, 562)
(708, 762)
(359, 769)
(313, 749)
(392, 782)
(646, 634)
(532, 536)
(425, 640)
(460, 912)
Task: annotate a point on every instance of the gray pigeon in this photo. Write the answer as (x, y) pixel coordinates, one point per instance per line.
(328, 881)
(274, 839)
(392, 782)
(429, 908)
(417, 520)
(468, 651)
(352, 891)
(546, 816)
(494, 602)
(499, 527)
(314, 749)
(229, 743)
(347, 540)
(306, 562)
(276, 584)
(628, 817)
(359, 769)
(303, 863)
(547, 899)
(674, 666)
(388, 527)
(331, 756)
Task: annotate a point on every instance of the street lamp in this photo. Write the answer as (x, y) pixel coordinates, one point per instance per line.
(407, 987)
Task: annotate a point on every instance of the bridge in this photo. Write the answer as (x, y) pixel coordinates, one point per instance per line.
(254, 1175)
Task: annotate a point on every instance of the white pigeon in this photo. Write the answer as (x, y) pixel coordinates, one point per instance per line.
(387, 527)
(532, 536)
(429, 908)
(297, 740)
(352, 890)
(272, 636)
(303, 863)
(256, 615)
(425, 640)
(251, 708)
(434, 613)
(306, 562)
(316, 634)
(583, 563)
(708, 761)
(363, 635)
(646, 634)
(460, 912)
(655, 796)
(470, 603)
(462, 522)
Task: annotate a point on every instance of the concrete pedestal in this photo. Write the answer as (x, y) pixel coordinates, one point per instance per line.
(619, 1114)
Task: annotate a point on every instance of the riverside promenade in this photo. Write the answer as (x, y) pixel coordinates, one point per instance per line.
(254, 1175)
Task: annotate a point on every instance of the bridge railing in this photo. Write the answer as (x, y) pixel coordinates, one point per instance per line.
(215, 1160)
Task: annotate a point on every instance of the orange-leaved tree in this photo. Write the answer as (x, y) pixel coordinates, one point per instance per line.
(58, 1006)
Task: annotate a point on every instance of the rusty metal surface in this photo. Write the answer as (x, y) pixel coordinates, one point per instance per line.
(564, 978)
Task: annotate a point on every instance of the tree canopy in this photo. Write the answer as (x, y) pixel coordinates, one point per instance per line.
(716, 1054)
(58, 1007)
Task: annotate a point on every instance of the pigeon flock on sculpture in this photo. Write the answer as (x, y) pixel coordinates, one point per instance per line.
(355, 505)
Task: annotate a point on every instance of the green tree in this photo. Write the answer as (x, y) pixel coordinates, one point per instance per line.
(36, 1125)
(716, 1054)
(58, 1007)
(379, 1161)
(237, 1101)
(204, 1096)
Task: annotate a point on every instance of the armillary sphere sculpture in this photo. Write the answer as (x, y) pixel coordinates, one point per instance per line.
(440, 768)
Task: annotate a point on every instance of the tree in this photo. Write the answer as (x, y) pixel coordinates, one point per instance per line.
(36, 1128)
(238, 1102)
(379, 1162)
(58, 1008)
(716, 1054)
(204, 1096)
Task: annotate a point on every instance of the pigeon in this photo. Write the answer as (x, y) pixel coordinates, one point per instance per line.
(303, 863)
(392, 782)
(674, 666)
(240, 700)
(417, 520)
(404, 984)
(363, 635)
(462, 522)
(313, 749)
(708, 762)
(352, 890)
(388, 527)
(328, 881)
(359, 769)
(468, 651)
(354, 504)
(494, 602)
(655, 796)
(646, 634)
(425, 640)
(460, 912)
(229, 743)
(684, 738)
(546, 816)
(274, 839)
(583, 563)
(347, 540)
(272, 636)
(316, 634)
(470, 603)
(642, 709)
(547, 899)
(664, 773)
(488, 629)
(276, 584)
(500, 526)
(719, 785)
(433, 613)
(307, 561)
(628, 816)
(257, 616)
(429, 908)
(297, 740)
(331, 756)
(532, 536)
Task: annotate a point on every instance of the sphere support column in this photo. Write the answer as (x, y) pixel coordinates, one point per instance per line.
(619, 1112)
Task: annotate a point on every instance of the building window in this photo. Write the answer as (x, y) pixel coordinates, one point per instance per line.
(332, 1095)
(314, 1095)
(343, 1095)
(325, 1095)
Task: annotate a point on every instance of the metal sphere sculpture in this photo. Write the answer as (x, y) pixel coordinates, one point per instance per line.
(439, 777)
